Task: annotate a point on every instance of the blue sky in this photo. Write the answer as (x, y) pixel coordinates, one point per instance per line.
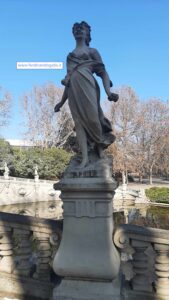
(131, 35)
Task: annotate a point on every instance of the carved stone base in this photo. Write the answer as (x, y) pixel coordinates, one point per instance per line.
(87, 290)
(87, 250)
(87, 256)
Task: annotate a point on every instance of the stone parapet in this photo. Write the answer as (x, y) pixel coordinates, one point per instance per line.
(20, 190)
(145, 261)
(27, 248)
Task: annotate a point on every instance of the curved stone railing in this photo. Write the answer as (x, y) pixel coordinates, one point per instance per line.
(19, 179)
(27, 248)
(145, 261)
(20, 190)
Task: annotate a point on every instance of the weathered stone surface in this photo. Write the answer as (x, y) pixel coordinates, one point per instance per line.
(87, 235)
(139, 244)
(43, 260)
(162, 269)
(87, 240)
(154, 235)
(23, 190)
(23, 250)
(129, 294)
(5, 239)
(6, 268)
(20, 261)
(87, 255)
(6, 252)
(42, 276)
(25, 287)
(43, 267)
(22, 272)
(7, 264)
(4, 229)
(55, 239)
(6, 247)
(44, 246)
(24, 243)
(23, 264)
(161, 247)
(22, 256)
(150, 261)
(6, 260)
(21, 232)
(44, 253)
(41, 235)
(87, 290)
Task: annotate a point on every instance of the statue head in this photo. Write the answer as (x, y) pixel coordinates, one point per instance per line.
(84, 25)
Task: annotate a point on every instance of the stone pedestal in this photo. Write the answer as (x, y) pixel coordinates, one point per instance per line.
(87, 257)
(87, 290)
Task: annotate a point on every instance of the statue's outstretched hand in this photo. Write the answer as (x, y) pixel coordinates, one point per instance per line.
(57, 107)
(113, 97)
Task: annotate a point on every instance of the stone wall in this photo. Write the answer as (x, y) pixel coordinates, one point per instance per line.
(20, 190)
(27, 248)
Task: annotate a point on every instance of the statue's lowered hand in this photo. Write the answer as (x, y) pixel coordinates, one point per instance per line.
(57, 107)
(113, 97)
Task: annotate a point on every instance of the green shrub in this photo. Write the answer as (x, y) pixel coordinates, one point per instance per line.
(159, 195)
(6, 155)
(159, 217)
(51, 162)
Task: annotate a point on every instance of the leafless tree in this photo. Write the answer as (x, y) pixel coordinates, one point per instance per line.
(42, 125)
(152, 133)
(123, 116)
(163, 162)
(142, 131)
(5, 106)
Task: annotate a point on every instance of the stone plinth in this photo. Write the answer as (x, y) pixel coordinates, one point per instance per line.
(87, 290)
(87, 252)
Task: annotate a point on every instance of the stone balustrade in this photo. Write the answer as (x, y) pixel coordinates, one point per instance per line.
(21, 190)
(27, 248)
(145, 261)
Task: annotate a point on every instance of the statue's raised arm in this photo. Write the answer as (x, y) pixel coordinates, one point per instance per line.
(83, 94)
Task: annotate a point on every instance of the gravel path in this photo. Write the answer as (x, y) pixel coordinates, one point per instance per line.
(145, 185)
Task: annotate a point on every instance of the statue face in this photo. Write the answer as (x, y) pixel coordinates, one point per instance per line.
(80, 31)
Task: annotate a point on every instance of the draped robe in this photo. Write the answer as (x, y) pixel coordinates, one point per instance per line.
(84, 98)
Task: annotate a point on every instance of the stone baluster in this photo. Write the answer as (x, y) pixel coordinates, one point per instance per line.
(23, 251)
(6, 171)
(162, 269)
(140, 281)
(43, 250)
(36, 175)
(6, 249)
(55, 239)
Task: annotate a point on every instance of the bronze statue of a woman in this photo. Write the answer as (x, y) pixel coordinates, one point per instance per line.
(83, 94)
